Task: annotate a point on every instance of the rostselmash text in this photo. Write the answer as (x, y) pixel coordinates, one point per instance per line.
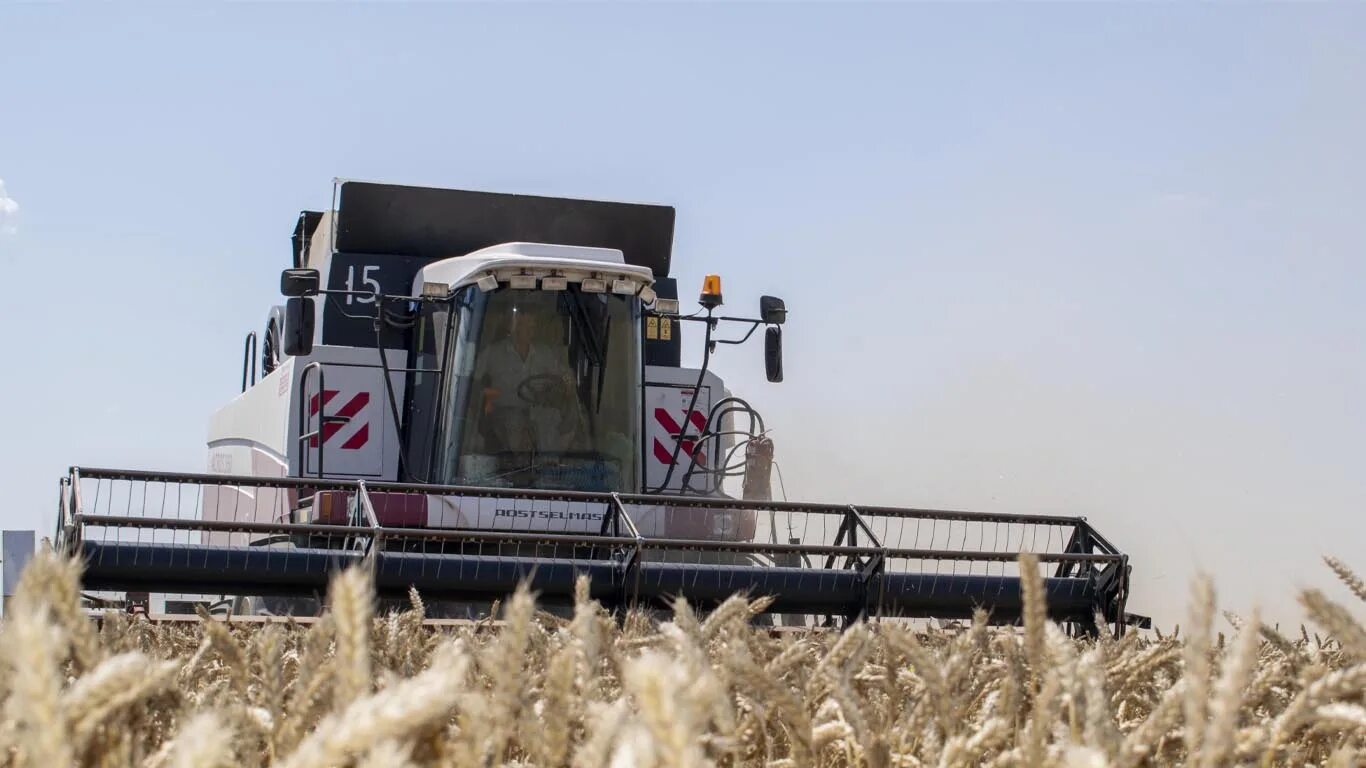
(546, 514)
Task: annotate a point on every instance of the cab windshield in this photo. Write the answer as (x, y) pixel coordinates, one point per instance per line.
(544, 391)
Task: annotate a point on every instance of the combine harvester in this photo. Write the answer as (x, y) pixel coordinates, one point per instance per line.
(468, 390)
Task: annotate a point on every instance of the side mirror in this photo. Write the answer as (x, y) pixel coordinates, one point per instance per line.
(298, 333)
(772, 310)
(773, 353)
(299, 282)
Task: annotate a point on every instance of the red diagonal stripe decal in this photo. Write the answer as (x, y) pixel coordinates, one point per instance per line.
(329, 430)
(313, 401)
(689, 446)
(354, 405)
(358, 439)
(666, 456)
(665, 420)
(699, 421)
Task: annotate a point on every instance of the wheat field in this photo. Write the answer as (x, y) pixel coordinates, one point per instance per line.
(355, 688)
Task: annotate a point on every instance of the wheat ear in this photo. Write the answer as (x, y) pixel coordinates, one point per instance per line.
(352, 609)
(1035, 618)
(1197, 662)
(116, 684)
(1337, 620)
(1348, 576)
(405, 708)
(31, 646)
(1218, 742)
(205, 741)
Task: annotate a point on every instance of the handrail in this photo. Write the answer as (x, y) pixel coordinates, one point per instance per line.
(305, 417)
(702, 502)
(584, 539)
(207, 478)
(249, 355)
(324, 529)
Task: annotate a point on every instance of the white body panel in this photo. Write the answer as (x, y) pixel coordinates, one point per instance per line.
(249, 435)
(366, 444)
(667, 394)
(258, 432)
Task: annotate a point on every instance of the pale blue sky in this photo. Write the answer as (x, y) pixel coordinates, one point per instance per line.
(1104, 260)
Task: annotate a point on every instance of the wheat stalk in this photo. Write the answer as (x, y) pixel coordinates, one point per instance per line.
(692, 689)
(1218, 742)
(1196, 656)
(116, 684)
(33, 707)
(352, 607)
(204, 741)
(1350, 635)
(402, 709)
(1348, 576)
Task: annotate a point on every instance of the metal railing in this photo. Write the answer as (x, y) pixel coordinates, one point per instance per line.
(249, 360)
(314, 439)
(285, 534)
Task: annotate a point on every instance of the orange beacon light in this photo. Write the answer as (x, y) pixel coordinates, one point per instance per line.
(711, 292)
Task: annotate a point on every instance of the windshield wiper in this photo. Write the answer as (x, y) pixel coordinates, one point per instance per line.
(584, 324)
(602, 369)
(595, 344)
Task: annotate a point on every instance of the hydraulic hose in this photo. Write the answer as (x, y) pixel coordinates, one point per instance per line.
(692, 403)
(381, 319)
(718, 412)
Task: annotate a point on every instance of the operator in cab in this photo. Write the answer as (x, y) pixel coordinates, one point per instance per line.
(547, 403)
(526, 391)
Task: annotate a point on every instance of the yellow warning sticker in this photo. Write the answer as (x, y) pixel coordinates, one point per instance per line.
(652, 328)
(666, 329)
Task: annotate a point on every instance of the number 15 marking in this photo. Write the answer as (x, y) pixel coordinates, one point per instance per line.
(366, 280)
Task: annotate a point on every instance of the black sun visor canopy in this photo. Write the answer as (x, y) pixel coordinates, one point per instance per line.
(431, 223)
